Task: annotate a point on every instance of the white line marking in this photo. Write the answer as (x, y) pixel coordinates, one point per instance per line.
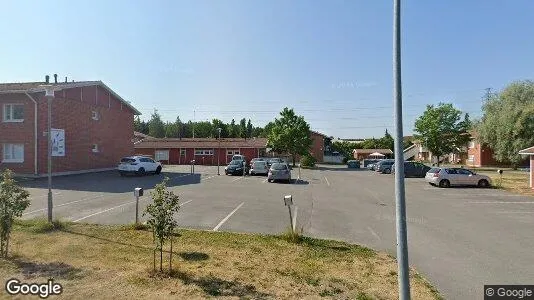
(64, 204)
(328, 183)
(374, 233)
(501, 202)
(240, 177)
(295, 218)
(101, 212)
(514, 212)
(265, 180)
(210, 177)
(185, 203)
(45, 195)
(227, 217)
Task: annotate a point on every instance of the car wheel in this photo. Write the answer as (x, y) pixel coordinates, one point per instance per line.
(387, 171)
(483, 183)
(141, 171)
(269, 180)
(444, 183)
(158, 170)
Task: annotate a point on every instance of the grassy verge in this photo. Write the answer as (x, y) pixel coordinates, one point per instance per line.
(513, 181)
(92, 261)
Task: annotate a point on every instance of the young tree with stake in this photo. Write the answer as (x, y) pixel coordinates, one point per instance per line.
(161, 219)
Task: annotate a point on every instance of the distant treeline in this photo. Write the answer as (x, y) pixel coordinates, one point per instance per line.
(155, 127)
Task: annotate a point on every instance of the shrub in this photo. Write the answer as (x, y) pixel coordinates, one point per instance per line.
(308, 161)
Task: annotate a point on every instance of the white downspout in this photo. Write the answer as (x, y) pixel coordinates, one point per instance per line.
(35, 133)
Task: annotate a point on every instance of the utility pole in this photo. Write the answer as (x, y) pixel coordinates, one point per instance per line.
(49, 95)
(219, 152)
(194, 121)
(402, 232)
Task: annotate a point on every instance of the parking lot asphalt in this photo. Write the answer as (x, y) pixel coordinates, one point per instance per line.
(459, 238)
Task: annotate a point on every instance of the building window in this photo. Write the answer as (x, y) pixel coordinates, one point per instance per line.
(203, 152)
(182, 152)
(95, 115)
(233, 152)
(13, 153)
(13, 112)
(471, 158)
(95, 148)
(471, 145)
(161, 155)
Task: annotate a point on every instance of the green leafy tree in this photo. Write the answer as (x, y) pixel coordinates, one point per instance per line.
(156, 127)
(243, 128)
(507, 124)
(257, 132)
(216, 123)
(249, 129)
(180, 127)
(267, 130)
(161, 219)
(441, 129)
(291, 134)
(171, 130)
(345, 148)
(232, 133)
(13, 201)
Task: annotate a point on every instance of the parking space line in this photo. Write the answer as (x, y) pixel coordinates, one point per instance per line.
(327, 182)
(374, 233)
(101, 212)
(264, 181)
(185, 203)
(209, 177)
(227, 217)
(64, 204)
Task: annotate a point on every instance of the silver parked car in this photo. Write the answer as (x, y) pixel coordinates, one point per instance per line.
(259, 167)
(446, 177)
(279, 171)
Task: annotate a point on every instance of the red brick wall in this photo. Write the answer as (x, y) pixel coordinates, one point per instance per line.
(483, 156)
(112, 132)
(317, 150)
(18, 133)
(175, 158)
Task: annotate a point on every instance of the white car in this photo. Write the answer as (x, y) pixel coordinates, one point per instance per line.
(446, 177)
(139, 165)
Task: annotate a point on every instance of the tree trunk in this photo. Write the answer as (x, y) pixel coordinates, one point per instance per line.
(294, 158)
(2, 244)
(7, 245)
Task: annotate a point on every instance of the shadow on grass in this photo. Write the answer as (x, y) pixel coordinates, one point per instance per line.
(193, 256)
(217, 287)
(59, 270)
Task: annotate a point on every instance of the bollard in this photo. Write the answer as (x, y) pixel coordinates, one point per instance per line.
(500, 179)
(138, 192)
(288, 201)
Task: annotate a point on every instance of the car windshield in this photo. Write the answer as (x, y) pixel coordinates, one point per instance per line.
(279, 166)
(237, 162)
(259, 163)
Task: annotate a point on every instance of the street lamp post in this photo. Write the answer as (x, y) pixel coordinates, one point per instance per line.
(49, 94)
(219, 152)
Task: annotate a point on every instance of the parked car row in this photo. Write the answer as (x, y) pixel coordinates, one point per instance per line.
(276, 169)
(443, 177)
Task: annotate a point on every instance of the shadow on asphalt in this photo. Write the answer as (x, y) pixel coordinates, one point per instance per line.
(112, 182)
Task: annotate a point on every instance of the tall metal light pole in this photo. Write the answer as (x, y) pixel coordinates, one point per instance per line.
(402, 233)
(219, 152)
(49, 94)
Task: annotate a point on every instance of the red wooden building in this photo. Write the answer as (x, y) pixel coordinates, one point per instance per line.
(205, 151)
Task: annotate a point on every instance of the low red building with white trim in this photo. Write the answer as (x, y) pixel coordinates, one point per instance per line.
(205, 151)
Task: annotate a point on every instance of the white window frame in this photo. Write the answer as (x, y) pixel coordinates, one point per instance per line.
(95, 148)
(471, 158)
(471, 145)
(95, 115)
(233, 152)
(183, 152)
(5, 150)
(158, 156)
(199, 152)
(11, 106)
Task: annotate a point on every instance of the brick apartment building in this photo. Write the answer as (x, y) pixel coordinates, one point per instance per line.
(92, 127)
(205, 151)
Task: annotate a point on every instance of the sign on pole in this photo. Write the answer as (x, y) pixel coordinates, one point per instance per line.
(58, 142)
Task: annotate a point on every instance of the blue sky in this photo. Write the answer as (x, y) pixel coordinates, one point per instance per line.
(329, 60)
